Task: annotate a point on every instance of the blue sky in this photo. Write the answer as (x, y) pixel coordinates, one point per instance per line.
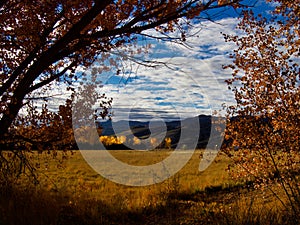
(193, 85)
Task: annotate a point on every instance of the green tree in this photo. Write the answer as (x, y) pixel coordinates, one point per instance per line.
(264, 125)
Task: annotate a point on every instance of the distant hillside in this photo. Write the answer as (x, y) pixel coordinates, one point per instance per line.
(174, 129)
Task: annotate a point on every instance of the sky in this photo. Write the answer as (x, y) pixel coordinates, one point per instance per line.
(192, 84)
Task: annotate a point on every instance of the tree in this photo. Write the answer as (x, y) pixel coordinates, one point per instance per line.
(45, 41)
(264, 125)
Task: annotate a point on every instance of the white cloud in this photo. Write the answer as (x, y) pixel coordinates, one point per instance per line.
(194, 86)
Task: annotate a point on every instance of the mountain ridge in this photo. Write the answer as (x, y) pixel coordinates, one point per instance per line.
(174, 129)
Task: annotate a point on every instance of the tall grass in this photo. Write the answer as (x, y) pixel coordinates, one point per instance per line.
(70, 192)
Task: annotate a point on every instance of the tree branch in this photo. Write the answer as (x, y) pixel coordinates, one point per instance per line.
(52, 78)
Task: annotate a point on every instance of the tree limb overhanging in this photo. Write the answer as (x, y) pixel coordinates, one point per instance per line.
(43, 35)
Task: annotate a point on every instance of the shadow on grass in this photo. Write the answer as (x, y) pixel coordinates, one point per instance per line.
(215, 205)
(29, 206)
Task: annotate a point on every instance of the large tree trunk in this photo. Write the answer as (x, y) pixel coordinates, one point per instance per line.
(49, 57)
(8, 118)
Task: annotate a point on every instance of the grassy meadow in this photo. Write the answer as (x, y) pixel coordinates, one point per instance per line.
(71, 192)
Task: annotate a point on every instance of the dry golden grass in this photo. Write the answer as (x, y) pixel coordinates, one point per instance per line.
(75, 176)
(71, 192)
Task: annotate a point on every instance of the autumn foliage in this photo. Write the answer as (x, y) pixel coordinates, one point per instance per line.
(43, 41)
(264, 125)
(122, 140)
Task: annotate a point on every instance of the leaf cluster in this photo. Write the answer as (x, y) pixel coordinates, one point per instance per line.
(266, 83)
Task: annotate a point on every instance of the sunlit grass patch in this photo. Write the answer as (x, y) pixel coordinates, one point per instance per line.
(69, 189)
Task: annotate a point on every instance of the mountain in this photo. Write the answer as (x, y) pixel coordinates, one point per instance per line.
(189, 132)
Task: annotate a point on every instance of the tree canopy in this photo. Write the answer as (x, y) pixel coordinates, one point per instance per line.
(266, 84)
(45, 41)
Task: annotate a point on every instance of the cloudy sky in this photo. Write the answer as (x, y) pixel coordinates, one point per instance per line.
(192, 84)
